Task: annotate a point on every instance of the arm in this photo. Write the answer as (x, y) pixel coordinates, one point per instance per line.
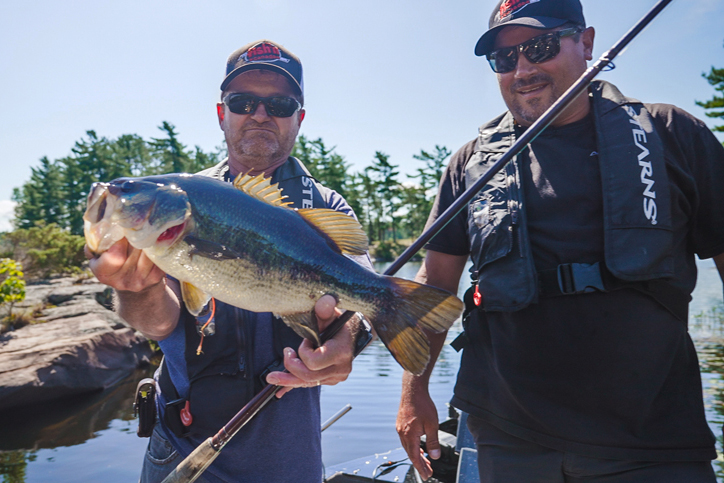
(417, 414)
(146, 299)
(719, 262)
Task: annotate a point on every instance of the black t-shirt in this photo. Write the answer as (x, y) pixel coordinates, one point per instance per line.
(606, 375)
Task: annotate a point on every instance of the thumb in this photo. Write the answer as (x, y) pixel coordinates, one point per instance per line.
(432, 444)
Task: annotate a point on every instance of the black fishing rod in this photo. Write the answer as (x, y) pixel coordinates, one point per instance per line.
(530, 134)
(196, 463)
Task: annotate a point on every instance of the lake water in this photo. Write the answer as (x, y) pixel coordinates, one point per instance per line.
(94, 439)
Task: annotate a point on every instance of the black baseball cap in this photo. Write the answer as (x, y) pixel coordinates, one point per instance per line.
(539, 14)
(265, 54)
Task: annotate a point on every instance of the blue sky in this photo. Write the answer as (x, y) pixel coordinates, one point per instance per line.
(393, 75)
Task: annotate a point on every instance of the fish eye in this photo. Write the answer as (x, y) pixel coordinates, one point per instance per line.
(128, 186)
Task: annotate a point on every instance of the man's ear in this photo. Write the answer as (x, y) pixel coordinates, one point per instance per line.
(302, 113)
(220, 113)
(587, 38)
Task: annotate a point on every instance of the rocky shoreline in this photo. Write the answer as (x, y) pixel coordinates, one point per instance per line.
(82, 346)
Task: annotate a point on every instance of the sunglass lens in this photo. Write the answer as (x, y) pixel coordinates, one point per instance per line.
(281, 106)
(503, 60)
(543, 48)
(242, 104)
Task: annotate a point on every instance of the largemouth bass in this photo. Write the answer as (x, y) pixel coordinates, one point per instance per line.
(243, 245)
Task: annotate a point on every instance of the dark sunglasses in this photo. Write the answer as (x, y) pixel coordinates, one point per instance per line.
(279, 106)
(536, 50)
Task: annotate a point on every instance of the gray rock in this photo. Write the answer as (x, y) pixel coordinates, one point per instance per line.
(81, 347)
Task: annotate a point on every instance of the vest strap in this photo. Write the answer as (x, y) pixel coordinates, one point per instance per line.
(172, 410)
(578, 278)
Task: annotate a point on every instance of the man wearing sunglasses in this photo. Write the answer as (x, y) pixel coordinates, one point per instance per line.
(577, 365)
(204, 382)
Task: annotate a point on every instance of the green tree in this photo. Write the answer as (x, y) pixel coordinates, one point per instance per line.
(418, 200)
(715, 77)
(329, 168)
(304, 151)
(171, 156)
(40, 199)
(384, 176)
(201, 160)
(371, 205)
(414, 202)
(92, 160)
(132, 150)
(435, 163)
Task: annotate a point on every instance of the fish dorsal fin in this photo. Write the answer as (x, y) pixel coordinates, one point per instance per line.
(261, 188)
(194, 298)
(346, 232)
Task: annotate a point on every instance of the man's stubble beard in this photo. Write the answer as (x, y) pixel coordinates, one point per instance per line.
(530, 111)
(260, 151)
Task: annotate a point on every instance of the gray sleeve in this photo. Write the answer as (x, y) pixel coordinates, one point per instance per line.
(336, 202)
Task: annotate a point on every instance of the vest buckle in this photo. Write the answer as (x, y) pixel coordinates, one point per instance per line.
(575, 278)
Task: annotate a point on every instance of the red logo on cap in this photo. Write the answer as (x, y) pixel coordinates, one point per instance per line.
(264, 52)
(509, 7)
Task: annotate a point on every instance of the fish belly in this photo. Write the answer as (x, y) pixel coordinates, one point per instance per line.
(241, 283)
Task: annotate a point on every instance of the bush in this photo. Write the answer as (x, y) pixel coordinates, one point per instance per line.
(12, 288)
(46, 250)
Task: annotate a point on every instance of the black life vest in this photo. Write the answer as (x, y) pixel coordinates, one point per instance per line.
(636, 206)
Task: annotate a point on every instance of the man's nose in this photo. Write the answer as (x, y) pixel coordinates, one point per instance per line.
(260, 113)
(523, 67)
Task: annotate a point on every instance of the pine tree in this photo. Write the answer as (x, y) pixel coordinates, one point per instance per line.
(384, 175)
(419, 201)
(132, 150)
(201, 160)
(715, 78)
(92, 160)
(40, 199)
(171, 156)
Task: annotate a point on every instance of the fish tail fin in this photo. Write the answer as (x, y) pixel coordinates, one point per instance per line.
(412, 308)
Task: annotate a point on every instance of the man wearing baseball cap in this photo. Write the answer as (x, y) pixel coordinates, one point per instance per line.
(576, 365)
(204, 381)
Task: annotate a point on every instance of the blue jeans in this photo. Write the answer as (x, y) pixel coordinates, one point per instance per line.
(503, 458)
(161, 459)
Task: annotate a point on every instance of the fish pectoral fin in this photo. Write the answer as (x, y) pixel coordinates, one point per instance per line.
(304, 324)
(343, 230)
(209, 249)
(195, 299)
(261, 188)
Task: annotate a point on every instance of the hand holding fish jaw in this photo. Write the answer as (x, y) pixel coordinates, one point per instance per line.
(124, 267)
(329, 364)
(147, 300)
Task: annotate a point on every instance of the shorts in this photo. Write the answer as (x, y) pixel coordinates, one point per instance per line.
(503, 458)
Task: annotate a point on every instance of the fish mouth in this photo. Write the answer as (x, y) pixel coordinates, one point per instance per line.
(103, 222)
(99, 232)
(171, 234)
